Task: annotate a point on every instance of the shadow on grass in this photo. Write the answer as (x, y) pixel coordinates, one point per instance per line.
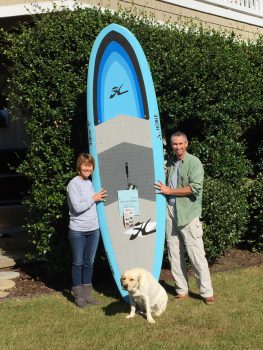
(171, 290)
(116, 307)
(103, 281)
(168, 287)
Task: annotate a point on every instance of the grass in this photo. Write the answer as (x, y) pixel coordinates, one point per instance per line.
(53, 322)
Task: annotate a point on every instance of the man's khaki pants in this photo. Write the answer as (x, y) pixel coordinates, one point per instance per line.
(187, 237)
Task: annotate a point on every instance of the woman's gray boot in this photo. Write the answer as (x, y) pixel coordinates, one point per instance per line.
(87, 288)
(79, 297)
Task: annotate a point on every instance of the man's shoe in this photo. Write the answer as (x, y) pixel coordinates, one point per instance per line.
(209, 300)
(181, 296)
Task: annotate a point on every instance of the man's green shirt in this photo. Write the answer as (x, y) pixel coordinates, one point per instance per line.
(190, 173)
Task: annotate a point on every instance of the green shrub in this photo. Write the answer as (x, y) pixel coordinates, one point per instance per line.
(223, 157)
(254, 235)
(207, 84)
(48, 78)
(225, 216)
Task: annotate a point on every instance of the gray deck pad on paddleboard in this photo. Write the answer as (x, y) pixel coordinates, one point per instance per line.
(127, 140)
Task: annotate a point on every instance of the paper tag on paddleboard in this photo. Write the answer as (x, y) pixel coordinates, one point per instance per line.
(128, 217)
(128, 199)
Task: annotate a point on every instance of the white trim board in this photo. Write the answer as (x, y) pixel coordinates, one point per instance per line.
(222, 9)
(216, 8)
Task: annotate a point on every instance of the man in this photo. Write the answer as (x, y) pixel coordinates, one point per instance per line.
(183, 228)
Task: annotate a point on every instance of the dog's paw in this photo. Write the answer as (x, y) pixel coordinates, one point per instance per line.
(158, 313)
(150, 320)
(129, 316)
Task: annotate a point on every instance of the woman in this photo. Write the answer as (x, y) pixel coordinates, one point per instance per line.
(83, 228)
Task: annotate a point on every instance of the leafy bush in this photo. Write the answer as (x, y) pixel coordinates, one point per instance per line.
(207, 84)
(225, 216)
(48, 77)
(254, 236)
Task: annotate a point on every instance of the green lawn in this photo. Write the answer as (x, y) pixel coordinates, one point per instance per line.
(235, 321)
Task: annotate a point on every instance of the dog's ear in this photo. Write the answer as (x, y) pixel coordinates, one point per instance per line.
(141, 279)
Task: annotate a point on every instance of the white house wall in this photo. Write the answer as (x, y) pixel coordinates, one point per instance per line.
(247, 23)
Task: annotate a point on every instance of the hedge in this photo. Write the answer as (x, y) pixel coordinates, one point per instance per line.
(254, 235)
(225, 217)
(208, 84)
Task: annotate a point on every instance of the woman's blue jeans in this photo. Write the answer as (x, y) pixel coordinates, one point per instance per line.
(83, 247)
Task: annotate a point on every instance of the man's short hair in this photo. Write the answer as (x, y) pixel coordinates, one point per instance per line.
(179, 133)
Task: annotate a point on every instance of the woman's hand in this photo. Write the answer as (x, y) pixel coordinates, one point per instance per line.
(100, 196)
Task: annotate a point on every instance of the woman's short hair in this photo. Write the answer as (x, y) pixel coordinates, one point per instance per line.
(84, 158)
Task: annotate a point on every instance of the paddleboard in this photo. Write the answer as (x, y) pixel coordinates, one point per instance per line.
(124, 134)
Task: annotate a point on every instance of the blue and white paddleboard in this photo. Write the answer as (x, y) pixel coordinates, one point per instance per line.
(125, 139)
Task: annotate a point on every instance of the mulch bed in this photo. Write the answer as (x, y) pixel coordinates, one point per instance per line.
(33, 278)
